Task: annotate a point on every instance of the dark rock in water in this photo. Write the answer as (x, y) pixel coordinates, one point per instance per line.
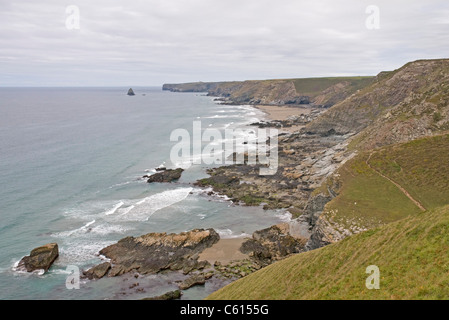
(40, 258)
(172, 295)
(131, 92)
(154, 252)
(166, 175)
(98, 271)
(195, 280)
(161, 169)
(274, 243)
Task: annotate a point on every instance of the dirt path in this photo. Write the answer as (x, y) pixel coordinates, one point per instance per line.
(416, 202)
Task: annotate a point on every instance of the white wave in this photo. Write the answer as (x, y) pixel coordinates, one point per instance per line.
(80, 251)
(224, 232)
(128, 209)
(69, 233)
(201, 215)
(121, 184)
(146, 207)
(284, 216)
(223, 116)
(114, 209)
(104, 229)
(229, 234)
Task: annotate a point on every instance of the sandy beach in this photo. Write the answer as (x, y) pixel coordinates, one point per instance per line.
(282, 113)
(224, 251)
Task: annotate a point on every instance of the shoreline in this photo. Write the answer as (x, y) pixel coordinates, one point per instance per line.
(224, 251)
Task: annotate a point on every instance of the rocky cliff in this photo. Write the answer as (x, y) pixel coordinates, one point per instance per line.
(322, 92)
(398, 106)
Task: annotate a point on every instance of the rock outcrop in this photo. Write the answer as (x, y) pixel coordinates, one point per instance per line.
(131, 92)
(171, 295)
(154, 252)
(272, 244)
(40, 258)
(195, 280)
(98, 271)
(169, 175)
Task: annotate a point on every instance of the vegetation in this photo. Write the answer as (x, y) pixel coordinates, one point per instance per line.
(314, 86)
(420, 166)
(366, 199)
(411, 255)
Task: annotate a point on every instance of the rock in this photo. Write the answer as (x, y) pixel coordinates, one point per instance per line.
(40, 258)
(272, 244)
(166, 175)
(172, 295)
(98, 271)
(154, 252)
(131, 92)
(197, 279)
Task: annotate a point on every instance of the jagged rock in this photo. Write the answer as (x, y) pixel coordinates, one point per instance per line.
(98, 271)
(131, 92)
(165, 175)
(272, 244)
(154, 252)
(195, 280)
(172, 295)
(40, 258)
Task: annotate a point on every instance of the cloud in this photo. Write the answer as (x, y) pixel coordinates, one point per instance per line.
(155, 41)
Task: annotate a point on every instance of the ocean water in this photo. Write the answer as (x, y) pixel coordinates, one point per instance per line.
(71, 162)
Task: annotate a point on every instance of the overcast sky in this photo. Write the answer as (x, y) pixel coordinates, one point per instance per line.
(151, 42)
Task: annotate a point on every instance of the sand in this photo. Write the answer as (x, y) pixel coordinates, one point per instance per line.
(282, 113)
(224, 251)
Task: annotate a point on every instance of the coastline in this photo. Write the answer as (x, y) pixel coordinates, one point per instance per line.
(224, 251)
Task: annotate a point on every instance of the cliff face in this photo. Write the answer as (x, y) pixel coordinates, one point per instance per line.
(322, 92)
(399, 106)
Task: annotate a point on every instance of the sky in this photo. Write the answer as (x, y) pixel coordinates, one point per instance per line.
(151, 42)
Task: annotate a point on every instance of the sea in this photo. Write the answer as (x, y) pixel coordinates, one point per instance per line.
(71, 167)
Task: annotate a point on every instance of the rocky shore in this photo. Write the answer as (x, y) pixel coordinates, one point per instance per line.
(306, 161)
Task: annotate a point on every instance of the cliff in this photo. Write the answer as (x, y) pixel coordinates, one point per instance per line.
(322, 92)
(399, 106)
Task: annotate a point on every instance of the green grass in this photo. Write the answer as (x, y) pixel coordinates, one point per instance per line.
(419, 166)
(314, 86)
(410, 253)
(366, 199)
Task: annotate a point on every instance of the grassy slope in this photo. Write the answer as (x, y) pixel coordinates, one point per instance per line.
(314, 86)
(411, 254)
(366, 199)
(420, 166)
(408, 240)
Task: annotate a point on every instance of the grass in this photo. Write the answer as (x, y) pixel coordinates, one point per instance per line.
(410, 253)
(314, 86)
(419, 166)
(366, 199)
(409, 246)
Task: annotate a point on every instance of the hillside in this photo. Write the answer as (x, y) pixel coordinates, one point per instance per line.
(398, 106)
(382, 186)
(323, 92)
(411, 255)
